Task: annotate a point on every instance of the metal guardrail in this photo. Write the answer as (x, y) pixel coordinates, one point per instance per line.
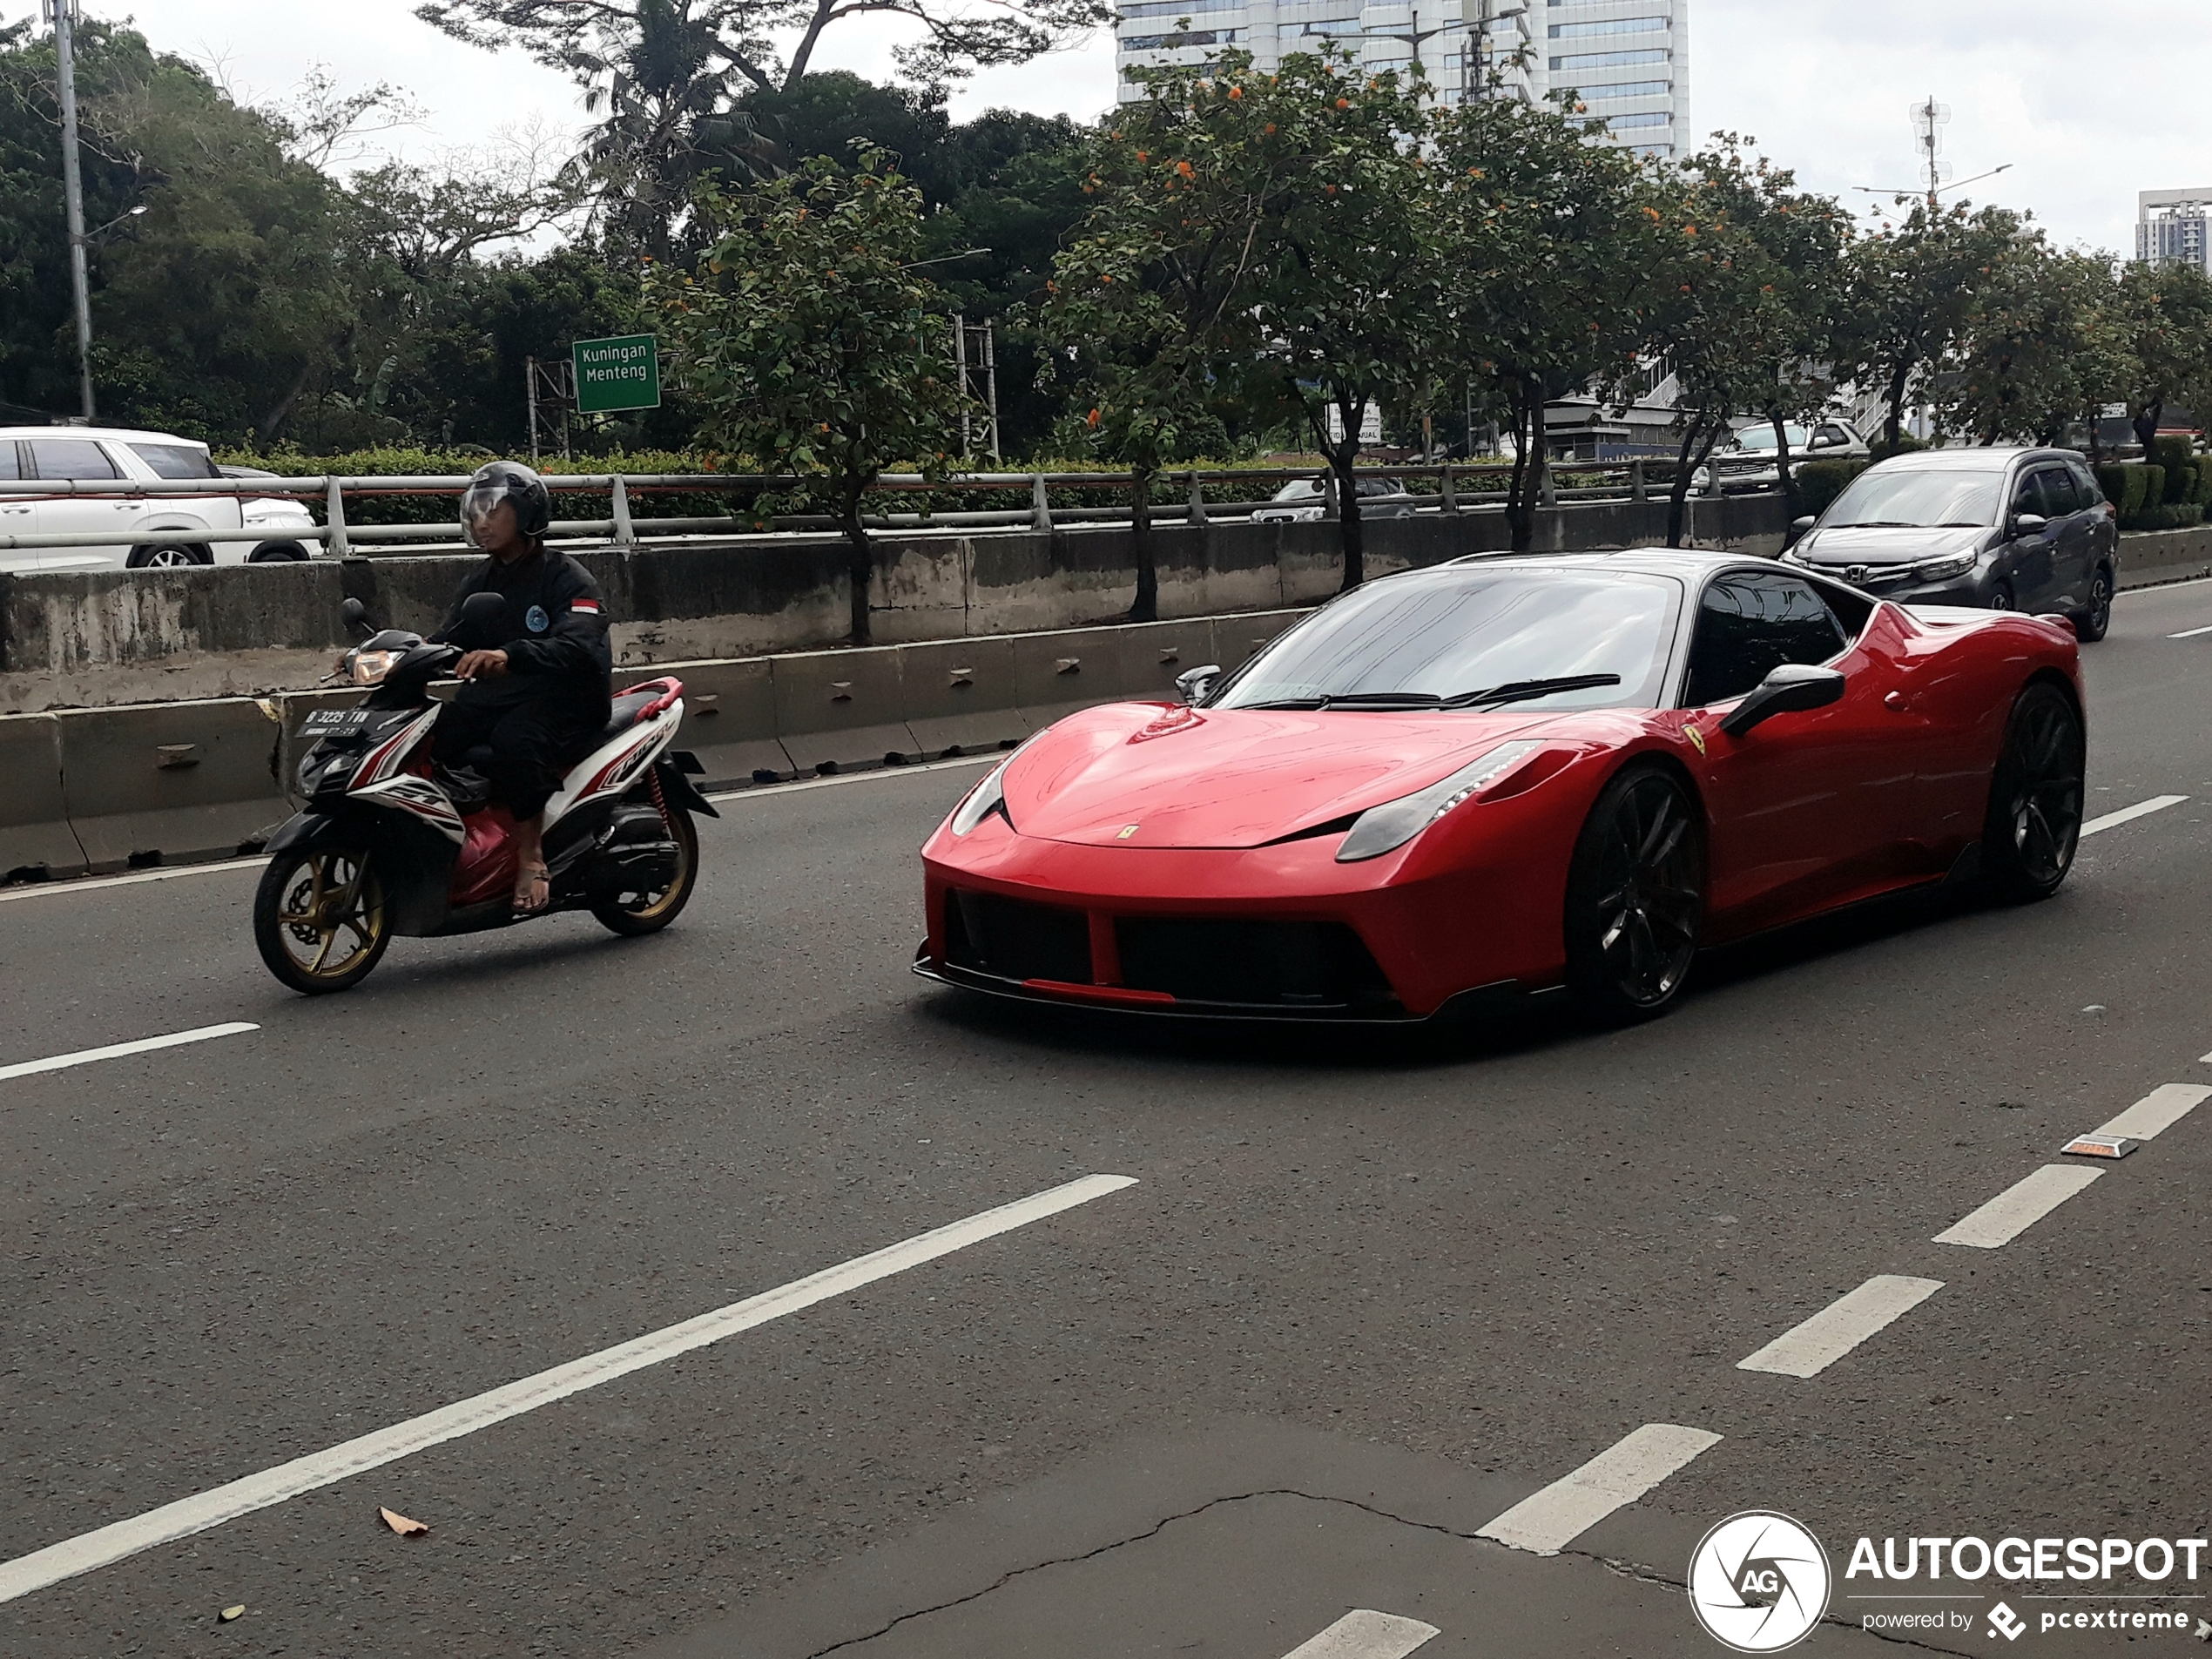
(1458, 486)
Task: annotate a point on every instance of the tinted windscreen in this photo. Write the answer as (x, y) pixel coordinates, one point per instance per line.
(1449, 634)
(176, 460)
(1917, 499)
(1762, 437)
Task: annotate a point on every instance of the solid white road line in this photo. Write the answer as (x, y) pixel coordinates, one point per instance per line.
(209, 1509)
(1548, 1521)
(1364, 1634)
(2190, 633)
(1808, 1349)
(2161, 1108)
(2128, 814)
(2012, 1211)
(85, 1057)
(765, 792)
(49, 889)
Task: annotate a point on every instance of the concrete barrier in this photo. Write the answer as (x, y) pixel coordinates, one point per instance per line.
(841, 709)
(730, 721)
(2147, 558)
(171, 782)
(36, 840)
(958, 696)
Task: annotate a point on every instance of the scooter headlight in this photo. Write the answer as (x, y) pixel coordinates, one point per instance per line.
(371, 666)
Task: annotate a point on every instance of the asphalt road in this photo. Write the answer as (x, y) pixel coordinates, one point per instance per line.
(1365, 1295)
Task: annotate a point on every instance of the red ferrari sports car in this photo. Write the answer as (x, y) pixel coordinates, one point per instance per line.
(1507, 775)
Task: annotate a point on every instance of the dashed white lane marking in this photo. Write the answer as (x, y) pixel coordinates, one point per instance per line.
(2159, 1110)
(2012, 1211)
(1808, 1349)
(2190, 633)
(1548, 1521)
(1362, 1634)
(49, 889)
(85, 1057)
(209, 1509)
(2129, 814)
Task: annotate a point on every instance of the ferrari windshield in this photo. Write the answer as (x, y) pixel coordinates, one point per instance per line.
(1918, 498)
(1472, 637)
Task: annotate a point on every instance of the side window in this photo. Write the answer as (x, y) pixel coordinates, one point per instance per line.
(2085, 488)
(2027, 497)
(1831, 436)
(2057, 492)
(70, 458)
(9, 467)
(1749, 624)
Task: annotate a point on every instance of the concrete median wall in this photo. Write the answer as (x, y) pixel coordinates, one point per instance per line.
(114, 638)
(108, 789)
(2149, 557)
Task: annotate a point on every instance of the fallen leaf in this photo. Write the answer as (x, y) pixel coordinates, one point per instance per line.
(399, 1524)
(230, 1613)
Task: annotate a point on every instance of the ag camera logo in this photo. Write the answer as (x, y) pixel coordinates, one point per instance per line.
(1758, 1582)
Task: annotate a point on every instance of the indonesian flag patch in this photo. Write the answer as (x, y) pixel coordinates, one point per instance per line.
(585, 607)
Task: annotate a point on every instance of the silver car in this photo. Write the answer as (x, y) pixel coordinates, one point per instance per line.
(1302, 500)
(2002, 529)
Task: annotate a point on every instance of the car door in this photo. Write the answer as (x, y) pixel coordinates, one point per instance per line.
(1809, 809)
(81, 461)
(2071, 537)
(2101, 534)
(18, 515)
(2029, 562)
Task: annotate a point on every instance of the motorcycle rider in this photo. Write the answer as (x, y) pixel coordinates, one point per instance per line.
(537, 698)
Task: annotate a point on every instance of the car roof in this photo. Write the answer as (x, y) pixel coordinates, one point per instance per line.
(127, 434)
(1970, 458)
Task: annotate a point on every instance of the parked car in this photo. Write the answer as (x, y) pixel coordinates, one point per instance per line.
(1825, 440)
(118, 458)
(282, 517)
(1302, 500)
(2004, 530)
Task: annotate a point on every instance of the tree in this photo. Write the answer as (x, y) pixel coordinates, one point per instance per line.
(1911, 290)
(2041, 347)
(1554, 251)
(811, 344)
(667, 73)
(2164, 312)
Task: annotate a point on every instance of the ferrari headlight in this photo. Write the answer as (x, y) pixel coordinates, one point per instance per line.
(1940, 569)
(1384, 829)
(986, 797)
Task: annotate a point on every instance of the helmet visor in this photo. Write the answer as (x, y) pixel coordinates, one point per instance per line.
(478, 502)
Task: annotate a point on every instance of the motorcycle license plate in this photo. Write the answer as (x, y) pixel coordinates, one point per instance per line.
(335, 720)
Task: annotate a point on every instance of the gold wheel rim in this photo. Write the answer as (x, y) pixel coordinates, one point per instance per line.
(333, 901)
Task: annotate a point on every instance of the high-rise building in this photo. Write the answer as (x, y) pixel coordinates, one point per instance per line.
(1627, 60)
(2170, 228)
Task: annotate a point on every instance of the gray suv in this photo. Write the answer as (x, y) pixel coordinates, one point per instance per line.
(2001, 529)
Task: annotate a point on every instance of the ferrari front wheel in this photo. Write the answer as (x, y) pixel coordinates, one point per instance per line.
(1635, 897)
(2035, 798)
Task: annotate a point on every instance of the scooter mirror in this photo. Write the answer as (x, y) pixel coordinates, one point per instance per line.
(482, 610)
(356, 614)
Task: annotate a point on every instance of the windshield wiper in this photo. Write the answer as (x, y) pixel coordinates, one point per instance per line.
(1522, 690)
(1355, 700)
(1879, 524)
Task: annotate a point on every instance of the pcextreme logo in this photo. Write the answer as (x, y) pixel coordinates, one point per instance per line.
(1758, 1582)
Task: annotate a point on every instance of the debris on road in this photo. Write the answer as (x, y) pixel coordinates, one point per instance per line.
(230, 1613)
(399, 1524)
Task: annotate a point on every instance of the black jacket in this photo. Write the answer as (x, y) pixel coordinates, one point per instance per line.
(555, 633)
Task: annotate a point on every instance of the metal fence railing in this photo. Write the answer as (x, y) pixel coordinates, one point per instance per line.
(1422, 487)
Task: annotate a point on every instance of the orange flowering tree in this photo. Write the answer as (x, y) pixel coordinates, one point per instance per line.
(809, 338)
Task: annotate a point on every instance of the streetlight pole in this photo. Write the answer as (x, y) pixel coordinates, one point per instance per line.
(63, 13)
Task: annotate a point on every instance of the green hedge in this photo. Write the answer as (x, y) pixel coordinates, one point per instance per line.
(1882, 449)
(1821, 482)
(2172, 516)
(2173, 454)
(2127, 485)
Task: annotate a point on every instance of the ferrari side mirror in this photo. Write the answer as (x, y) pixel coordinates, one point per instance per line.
(1195, 683)
(1791, 687)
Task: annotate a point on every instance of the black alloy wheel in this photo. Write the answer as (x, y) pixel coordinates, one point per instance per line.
(2091, 622)
(2035, 796)
(1635, 897)
(2000, 597)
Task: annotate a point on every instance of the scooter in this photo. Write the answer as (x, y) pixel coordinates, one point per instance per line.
(391, 842)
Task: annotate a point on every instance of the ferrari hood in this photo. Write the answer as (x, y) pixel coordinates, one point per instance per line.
(1142, 775)
(1879, 545)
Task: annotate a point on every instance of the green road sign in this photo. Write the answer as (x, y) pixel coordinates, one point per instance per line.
(619, 374)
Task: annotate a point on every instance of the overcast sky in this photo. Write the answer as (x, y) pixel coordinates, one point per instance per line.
(2088, 111)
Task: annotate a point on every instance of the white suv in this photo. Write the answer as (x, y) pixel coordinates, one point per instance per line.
(106, 455)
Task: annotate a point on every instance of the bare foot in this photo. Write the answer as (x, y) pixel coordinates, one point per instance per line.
(533, 889)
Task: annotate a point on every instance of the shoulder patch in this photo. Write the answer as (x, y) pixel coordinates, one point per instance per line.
(586, 608)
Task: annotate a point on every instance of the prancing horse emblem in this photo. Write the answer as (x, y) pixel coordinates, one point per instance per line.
(1125, 831)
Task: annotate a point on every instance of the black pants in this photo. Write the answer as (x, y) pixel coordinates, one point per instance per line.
(534, 737)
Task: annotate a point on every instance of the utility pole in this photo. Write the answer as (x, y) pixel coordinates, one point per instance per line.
(64, 12)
